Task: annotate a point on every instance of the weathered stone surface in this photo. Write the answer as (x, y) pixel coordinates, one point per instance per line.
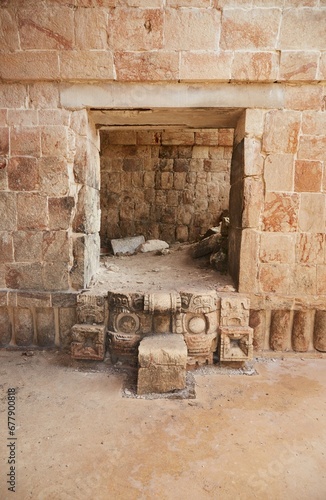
(253, 202)
(33, 299)
(153, 245)
(87, 65)
(7, 211)
(91, 308)
(320, 331)
(55, 246)
(168, 349)
(197, 29)
(310, 248)
(28, 246)
(295, 22)
(280, 330)
(281, 131)
(6, 247)
(235, 310)
(299, 97)
(88, 342)
(45, 327)
(60, 212)
(312, 148)
(31, 211)
(30, 65)
(281, 212)
(91, 29)
(274, 278)
(303, 280)
(257, 321)
(312, 213)
(136, 29)
(277, 247)
(308, 176)
(64, 299)
(298, 66)
(236, 343)
(54, 178)
(67, 319)
(56, 276)
(5, 327)
(321, 279)
(160, 379)
(278, 172)
(205, 66)
(87, 217)
(250, 29)
(127, 245)
(152, 66)
(254, 66)
(24, 328)
(24, 276)
(207, 246)
(302, 330)
(23, 174)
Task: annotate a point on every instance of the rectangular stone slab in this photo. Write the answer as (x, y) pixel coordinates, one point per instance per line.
(127, 245)
(167, 349)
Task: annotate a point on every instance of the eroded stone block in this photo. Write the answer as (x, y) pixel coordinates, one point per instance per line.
(45, 327)
(302, 330)
(91, 308)
(88, 342)
(24, 326)
(236, 343)
(280, 330)
(235, 311)
(320, 331)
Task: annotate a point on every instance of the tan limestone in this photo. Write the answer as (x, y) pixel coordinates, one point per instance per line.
(279, 172)
(281, 131)
(281, 212)
(136, 29)
(312, 213)
(308, 176)
(257, 66)
(298, 66)
(295, 23)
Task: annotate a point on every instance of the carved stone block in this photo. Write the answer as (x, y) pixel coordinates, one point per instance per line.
(235, 310)
(236, 343)
(88, 342)
(199, 303)
(123, 345)
(91, 309)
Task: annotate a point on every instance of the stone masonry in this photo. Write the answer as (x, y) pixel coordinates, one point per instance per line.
(63, 60)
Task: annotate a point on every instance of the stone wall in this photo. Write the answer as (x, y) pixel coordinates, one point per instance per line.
(171, 184)
(59, 59)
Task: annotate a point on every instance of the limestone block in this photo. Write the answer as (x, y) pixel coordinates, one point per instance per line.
(136, 29)
(60, 212)
(33, 299)
(26, 276)
(8, 211)
(25, 141)
(260, 33)
(254, 66)
(5, 327)
(302, 330)
(280, 330)
(274, 278)
(28, 246)
(235, 310)
(303, 280)
(312, 148)
(308, 176)
(87, 217)
(55, 246)
(257, 322)
(54, 178)
(67, 319)
(278, 172)
(91, 29)
(281, 212)
(312, 213)
(127, 245)
(248, 260)
(4, 141)
(281, 131)
(203, 303)
(43, 95)
(13, 95)
(160, 379)
(87, 65)
(91, 308)
(313, 122)
(298, 21)
(253, 202)
(64, 299)
(3, 298)
(24, 328)
(300, 97)
(198, 29)
(162, 349)
(150, 66)
(253, 162)
(6, 247)
(9, 38)
(277, 247)
(298, 66)
(56, 275)
(320, 331)
(236, 343)
(162, 302)
(321, 280)
(45, 327)
(23, 174)
(310, 248)
(53, 117)
(205, 66)
(31, 211)
(88, 342)
(201, 345)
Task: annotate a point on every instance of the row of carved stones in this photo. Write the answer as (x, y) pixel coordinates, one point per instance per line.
(301, 331)
(133, 316)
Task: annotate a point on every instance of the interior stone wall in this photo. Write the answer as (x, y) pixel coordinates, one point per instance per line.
(170, 184)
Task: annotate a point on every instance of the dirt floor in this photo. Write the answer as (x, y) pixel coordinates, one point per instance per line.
(149, 272)
(255, 433)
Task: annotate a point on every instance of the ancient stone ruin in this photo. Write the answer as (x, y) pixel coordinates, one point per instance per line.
(153, 118)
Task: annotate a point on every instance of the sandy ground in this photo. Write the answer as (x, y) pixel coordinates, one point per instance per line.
(149, 272)
(261, 436)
